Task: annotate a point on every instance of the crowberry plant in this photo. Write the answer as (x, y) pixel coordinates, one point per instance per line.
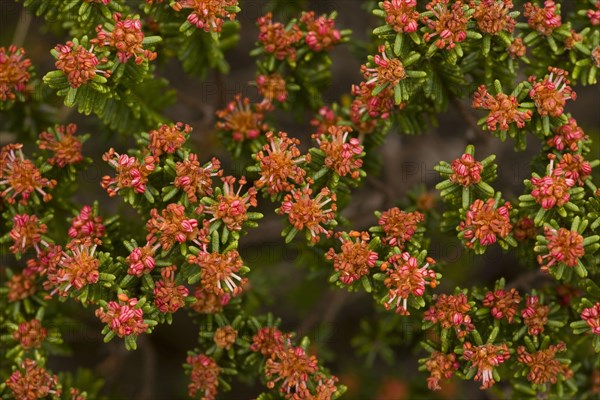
(160, 192)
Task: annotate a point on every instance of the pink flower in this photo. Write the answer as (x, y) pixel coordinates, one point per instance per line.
(123, 317)
(592, 317)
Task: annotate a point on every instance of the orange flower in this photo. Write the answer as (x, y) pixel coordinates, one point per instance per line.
(551, 94)
(544, 20)
(218, 272)
(195, 180)
(355, 258)
(168, 138)
(406, 278)
(451, 311)
(127, 38)
(341, 153)
(14, 72)
(21, 176)
(449, 24)
(231, 207)
(485, 358)
(543, 367)
(207, 15)
(535, 315)
(63, 142)
(503, 109)
(78, 64)
(171, 226)
(27, 231)
(278, 162)
(30, 334)
(204, 377)
(168, 296)
(31, 381)
(310, 213)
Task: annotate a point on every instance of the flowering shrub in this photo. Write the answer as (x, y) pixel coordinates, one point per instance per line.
(167, 239)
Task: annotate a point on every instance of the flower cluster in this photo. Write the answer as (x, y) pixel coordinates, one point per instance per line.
(130, 172)
(168, 138)
(15, 72)
(208, 302)
(171, 226)
(291, 368)
(127, 38)
(21, 286)
(399, 226)
(207, 15)
(568, 136)
(325, 119)
(310, 213)
(277, 39)
(366, 107)
(503, 109)
(448, 23)
(124, 318)
(485, 222)
(440, 366)
(406, 278)
(564, 247)
(219, 272)
(225, 337)
(320, 32)
(231, 207)
(27, 231)
(141, 259)
(204, 376)
(272, 87)
(591, 316)
(493, 16)
(269, 340)
(388, 71)
(278, 163)
(451, 311)
(79, 64)
(196, 180)
(517, 48)
(485, 358)
(575, 167)
(401, 15)
(355, 258)
(168, 296)
(62, 141)
(341, 154)
(552, 190)
(30, 334)
(551, 94)
(20, 176)
(86, 224)
(543, 366)
(32, 381)
(77, 268)
(503, 303)
(544, 20)
(535, 315)
(524, 229)
(241, 119)
(594, 15)
(466, 171)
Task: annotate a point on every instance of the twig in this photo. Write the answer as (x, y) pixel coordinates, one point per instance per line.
(148, 373)
(528, 280)
(22, 28)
